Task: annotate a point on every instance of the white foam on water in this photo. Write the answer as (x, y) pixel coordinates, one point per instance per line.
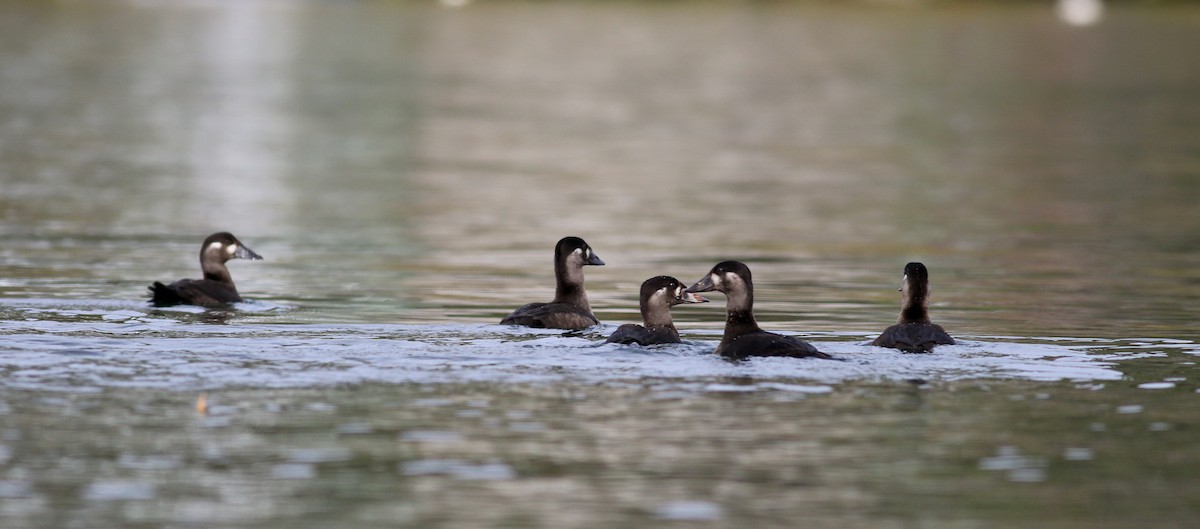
(689, 511)
(458, 469)
(110, 490)
(120, 347)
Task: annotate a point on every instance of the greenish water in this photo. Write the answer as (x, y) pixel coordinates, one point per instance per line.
(406, 168)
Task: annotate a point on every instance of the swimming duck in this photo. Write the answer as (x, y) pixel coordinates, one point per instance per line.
(743, 338)
(217, 286)
(570, 308)
(658, 295)
(914, 332)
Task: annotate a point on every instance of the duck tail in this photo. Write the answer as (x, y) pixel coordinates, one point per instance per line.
(162, 295)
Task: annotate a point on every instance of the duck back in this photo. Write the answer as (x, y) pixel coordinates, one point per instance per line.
(203, 292)
(551, 316)
(913, 337)
(632, 333)
(763, 343)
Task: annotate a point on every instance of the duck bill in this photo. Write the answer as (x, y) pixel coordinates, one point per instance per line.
(703, 285)
(245, 253)
(594, 259)
(689, 297)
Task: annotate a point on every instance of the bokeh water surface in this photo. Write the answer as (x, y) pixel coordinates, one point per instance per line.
(405, 169)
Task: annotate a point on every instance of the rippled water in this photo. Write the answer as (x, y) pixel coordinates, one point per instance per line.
(406, 169)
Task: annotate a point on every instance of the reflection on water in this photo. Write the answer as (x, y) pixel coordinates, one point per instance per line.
(405, 170)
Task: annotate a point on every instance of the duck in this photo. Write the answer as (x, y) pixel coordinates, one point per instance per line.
(570, 309)
(658, 295)
(217, 287)
(743, 337)
(914, 332)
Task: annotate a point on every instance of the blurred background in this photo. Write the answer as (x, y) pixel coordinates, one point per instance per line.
(417, 161)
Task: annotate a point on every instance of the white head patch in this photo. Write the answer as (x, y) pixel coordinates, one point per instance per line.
(660, 293)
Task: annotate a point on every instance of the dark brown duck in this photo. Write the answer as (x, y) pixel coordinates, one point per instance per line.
(657, 296)
(217, 286)
(743, 337)
(914, 332)
(569, 309)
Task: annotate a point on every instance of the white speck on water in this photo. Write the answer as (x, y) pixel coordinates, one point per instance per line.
(1175, 379)
(14, 489)
(796, 388)
(1080, 12)
(1156, 385)
(1007, 457)
(1020, 468)
(318, 455)
(458, 469)
(294, 471)
(1130, 409)
(320, 406)
(689, 511)
(1078, 454)
(150, 462)
(119, 491)
(216, 422)
(731, 388)
(527, 427)
(1159, 426)
(431, 436)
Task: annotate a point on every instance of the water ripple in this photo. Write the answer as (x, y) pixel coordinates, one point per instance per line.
(162, 353)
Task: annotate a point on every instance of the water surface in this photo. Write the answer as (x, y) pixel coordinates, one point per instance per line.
(406, 169)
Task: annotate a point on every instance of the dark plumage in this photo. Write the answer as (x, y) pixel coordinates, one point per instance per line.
(217, 286)
(570, 308)
(914, 332)
(743, 338)
(658, 295)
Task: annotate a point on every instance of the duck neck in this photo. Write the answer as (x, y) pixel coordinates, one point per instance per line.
(657, 317)
(214, 268)
(739, 312)
(914, 309)
(569, 286)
